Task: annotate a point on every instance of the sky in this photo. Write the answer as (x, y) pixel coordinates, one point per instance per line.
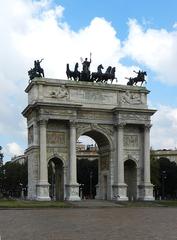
(129, 35)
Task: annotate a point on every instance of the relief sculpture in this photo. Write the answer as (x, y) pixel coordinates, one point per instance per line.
(130, 98)
(131, 141)
(61, 92)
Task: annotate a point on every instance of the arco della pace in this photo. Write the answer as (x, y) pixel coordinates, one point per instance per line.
(115, 116)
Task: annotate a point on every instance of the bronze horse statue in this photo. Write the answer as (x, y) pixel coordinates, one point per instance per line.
(75, 75)
(109, 74)
(139, 78)
(112, 75)
(96, 76)
(37, 71)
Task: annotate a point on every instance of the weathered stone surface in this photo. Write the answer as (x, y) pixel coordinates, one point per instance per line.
(115, 116)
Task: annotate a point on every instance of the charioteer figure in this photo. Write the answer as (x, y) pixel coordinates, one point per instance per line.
(85, 74)
(139, 78)
(37, 71)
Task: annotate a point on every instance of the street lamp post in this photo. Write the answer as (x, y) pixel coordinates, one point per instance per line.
(164, 176)
(91, 176)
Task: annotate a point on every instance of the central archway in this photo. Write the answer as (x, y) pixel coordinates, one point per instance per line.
(98, 171)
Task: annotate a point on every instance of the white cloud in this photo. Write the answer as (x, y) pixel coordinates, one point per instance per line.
(13, 149)
(155, 48)
(164, 130)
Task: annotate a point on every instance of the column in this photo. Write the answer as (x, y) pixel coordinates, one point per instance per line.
(73, 160)
(120, 188)
(147, 154)
(120, 163)
(73, 186)
(43, 185)
(146, 189)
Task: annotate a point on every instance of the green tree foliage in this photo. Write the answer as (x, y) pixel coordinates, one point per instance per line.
(15, 177)
(155, 171)
(164, 177)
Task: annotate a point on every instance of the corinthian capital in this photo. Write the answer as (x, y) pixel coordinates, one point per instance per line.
(120, 125)
(147, 127)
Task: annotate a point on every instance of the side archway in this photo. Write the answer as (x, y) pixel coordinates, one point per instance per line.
(130, 174)
(56, 179)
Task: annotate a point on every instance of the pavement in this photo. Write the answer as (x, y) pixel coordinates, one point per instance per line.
(94, 204)
(107, 223)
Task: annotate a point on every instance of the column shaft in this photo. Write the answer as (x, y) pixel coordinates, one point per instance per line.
(43, 177)
(147, 154)
(120, 163)
(73, 162)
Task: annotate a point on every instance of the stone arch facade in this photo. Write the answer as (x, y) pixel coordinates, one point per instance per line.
(59, 111)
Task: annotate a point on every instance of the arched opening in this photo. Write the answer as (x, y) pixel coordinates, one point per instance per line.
(131, 179)
(56, 179)
(93, 165)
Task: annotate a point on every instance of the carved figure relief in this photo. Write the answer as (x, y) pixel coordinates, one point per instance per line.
(61, 92)
(130, 98)
(131, 141)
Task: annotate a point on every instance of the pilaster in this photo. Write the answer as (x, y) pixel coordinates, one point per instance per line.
(73, 186)
(146, 188)
(120, 188)
(43, 185)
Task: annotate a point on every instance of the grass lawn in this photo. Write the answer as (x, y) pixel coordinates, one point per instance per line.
(56, 204)
(32, 204)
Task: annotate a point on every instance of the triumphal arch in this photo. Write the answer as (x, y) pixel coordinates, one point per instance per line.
(115, 116)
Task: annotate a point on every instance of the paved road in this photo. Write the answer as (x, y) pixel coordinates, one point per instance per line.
(89, 224)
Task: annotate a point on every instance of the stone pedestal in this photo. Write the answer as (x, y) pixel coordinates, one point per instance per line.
(120, 192)
(73, 192)
(146, 192)
(42, 189)
(97, 191)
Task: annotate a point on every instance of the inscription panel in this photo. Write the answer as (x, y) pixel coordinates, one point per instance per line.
(56, 138)
(93, 96)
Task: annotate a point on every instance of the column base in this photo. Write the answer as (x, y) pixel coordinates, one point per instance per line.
(120, 192)
(146, 192)
(97, 192)
(42, 189)
(73, 192)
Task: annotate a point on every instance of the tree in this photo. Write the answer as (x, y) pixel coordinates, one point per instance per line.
(164, 178)
(15, 177)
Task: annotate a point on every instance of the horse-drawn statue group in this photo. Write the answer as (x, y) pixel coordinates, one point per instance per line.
(86, 75)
